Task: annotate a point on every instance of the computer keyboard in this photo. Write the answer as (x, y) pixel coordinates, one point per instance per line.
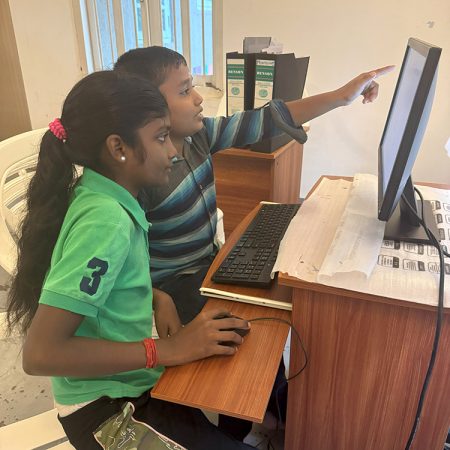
(251, 260)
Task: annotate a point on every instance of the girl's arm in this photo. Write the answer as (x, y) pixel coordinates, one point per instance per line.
(51, 349)
(310, 107)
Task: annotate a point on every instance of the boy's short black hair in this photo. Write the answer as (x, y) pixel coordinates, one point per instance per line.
(152, 63)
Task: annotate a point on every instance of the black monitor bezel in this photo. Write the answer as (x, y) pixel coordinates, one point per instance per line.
(388, 199)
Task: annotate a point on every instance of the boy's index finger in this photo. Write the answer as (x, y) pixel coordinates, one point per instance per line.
(382, 71)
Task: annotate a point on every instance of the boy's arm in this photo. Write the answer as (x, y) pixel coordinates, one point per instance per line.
(167, 320)
(310, 107)
(248, 127)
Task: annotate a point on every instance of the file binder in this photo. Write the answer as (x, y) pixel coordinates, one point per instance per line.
(278, 76)
(248, 60)
(264, 76)
(235, 84)
(253, 79)
(302, 70)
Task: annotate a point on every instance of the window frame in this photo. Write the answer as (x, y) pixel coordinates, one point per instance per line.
(89, 43)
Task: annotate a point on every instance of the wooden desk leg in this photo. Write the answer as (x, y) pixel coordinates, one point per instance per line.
(367, 363)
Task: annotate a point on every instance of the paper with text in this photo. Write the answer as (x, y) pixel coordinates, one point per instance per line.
(327, 244)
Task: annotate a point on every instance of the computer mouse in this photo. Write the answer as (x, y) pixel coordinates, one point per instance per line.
(241, 331)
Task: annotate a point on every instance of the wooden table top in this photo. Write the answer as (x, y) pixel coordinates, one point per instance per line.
(238, 385)
(286, 280)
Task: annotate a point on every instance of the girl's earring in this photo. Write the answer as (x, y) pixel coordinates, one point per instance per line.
(122, 158)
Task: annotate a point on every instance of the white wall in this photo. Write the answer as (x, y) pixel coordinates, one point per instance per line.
(48, 53)
(344, 38)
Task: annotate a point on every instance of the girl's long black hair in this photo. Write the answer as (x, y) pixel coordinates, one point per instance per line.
(99, 105)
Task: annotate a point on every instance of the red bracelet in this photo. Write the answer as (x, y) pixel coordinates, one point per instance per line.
(150, 353)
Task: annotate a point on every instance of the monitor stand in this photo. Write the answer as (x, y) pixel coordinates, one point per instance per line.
(398, 227)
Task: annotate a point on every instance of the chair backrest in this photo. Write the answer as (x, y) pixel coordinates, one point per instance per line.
(18, 159)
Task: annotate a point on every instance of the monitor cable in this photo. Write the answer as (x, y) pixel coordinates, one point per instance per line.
(433, 241)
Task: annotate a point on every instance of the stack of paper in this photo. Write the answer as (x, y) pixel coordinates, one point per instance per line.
(336, 240)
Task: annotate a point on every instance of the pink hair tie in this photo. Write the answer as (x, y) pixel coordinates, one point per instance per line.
(56, 127)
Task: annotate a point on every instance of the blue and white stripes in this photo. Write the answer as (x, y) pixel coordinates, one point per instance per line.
(183, 214)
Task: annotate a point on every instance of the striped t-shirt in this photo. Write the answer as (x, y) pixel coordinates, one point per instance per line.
(183, 214)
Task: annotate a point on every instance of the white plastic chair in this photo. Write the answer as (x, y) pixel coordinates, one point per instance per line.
(37, 432)
(220, 231)
(18, 158)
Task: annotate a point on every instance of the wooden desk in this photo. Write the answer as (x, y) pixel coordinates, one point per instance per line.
(367, 361)
(244, 178)
(240, 385)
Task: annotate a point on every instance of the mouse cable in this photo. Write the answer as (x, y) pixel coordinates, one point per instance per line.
(297, 334)
(437, 334)
(270, 445)
(277, 391)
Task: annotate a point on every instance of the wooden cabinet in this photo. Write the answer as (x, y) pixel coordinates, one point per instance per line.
(244, 178)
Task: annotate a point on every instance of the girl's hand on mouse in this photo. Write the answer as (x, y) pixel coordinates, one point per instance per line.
(364, 85)
(167, 320)
(200, 338)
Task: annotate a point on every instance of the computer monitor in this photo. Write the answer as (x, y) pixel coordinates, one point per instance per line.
(400, 143)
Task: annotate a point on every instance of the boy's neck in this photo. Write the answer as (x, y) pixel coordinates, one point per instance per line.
(178, 143)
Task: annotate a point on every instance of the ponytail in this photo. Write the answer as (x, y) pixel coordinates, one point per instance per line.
(48, 199)
(101, 104)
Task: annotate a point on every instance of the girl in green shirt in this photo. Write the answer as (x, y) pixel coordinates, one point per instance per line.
(82, 291)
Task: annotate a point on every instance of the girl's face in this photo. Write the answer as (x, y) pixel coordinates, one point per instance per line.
(158, 151)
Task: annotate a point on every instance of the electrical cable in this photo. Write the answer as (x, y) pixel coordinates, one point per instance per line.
(437, 334)
(297, 334)
(433, 241)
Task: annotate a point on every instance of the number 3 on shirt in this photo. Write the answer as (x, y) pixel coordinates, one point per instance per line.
(91, 284)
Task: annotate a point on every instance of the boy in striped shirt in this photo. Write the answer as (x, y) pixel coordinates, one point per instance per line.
(183, 214)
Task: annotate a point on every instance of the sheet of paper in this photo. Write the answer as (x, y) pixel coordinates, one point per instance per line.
(401, 271)
(310, 233)
(356, 244)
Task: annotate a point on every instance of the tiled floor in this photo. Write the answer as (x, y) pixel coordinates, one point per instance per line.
(263, 439)
(21, 395)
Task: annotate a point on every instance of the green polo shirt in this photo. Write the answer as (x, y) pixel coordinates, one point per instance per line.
(100, 270)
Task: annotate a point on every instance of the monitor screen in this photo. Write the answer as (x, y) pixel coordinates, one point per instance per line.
(405, 126)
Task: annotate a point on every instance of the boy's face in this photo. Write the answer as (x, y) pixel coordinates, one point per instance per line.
(184, 102)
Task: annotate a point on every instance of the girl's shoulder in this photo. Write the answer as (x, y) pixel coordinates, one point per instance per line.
(94, 207)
